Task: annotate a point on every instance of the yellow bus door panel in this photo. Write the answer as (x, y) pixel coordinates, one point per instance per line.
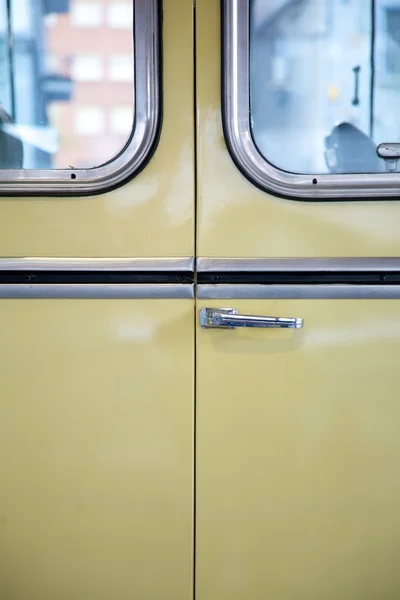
(298, 494)
(235, 218)
(96, 449)
(151, 215)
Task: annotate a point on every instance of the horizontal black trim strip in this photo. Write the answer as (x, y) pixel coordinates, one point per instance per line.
(92, 277)
(300, 277)
(204, 277)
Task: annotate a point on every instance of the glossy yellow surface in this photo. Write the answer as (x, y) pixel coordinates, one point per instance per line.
(235, 219)
(96, 449)
(298, 453)
(153, 214)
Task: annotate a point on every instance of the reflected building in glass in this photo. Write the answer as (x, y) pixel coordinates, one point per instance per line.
(67, 82)
(26, 88)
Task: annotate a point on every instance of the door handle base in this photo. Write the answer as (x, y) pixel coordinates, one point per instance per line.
(213, 318)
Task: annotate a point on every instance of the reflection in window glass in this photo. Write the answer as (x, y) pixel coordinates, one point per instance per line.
(120, 15)
(87, 67)
(121, 67)
(120, 118)
(86, 14)
(89, 120)
(325, 83)
(57, 94)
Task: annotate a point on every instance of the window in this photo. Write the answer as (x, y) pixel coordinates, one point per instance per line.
(60, 130)
(121, 118)
(391, 40)
(87, 67)
(311, 95)
(89, 120)
(120, 67)
(120, 15)
(86, 14)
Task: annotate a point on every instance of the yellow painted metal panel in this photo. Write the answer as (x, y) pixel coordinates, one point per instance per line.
(237, 219)
(150, 216)
(298, 452)
(96, 453)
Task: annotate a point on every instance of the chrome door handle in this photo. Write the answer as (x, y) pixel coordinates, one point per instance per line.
(228, 318)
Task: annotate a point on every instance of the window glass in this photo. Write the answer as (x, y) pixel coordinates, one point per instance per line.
(60, 61)
(5, 66)
(325, 83)
(120, 15)
(89, 120)
(120, 67)
(87, 67)
(86, 14)
(120, 117)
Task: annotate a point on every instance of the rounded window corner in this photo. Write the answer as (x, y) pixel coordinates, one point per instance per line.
(239, 136)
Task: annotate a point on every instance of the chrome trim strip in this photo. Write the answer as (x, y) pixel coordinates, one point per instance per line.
(96, 291)
(143, 137)
(96, 264)
(236, 109)
(297, 264)
(298, 292)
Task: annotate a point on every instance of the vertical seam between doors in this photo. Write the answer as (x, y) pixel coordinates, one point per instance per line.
(195, 292)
